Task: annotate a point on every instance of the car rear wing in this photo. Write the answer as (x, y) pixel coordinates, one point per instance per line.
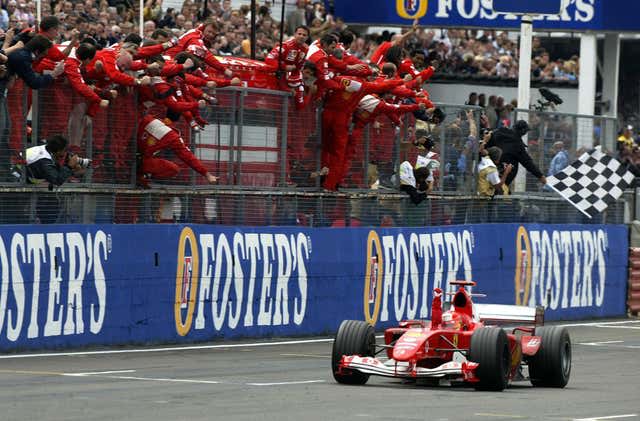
(500, 314)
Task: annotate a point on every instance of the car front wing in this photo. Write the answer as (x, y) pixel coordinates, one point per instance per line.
(464, 370)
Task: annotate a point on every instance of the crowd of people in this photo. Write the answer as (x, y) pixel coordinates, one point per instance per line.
(94, 47)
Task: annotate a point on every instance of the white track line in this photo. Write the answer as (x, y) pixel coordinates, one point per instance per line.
(600, 324)
(153, 379)
(170, 349)
(96, 373)
(285, 383)
(245, 345)
(610, 417)
(600, 343)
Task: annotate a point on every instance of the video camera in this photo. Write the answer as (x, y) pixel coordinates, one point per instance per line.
(551, 100)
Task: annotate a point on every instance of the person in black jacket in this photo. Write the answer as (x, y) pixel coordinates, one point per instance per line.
(20, 63)
(514, 151)
(43, 162)
(43, 165)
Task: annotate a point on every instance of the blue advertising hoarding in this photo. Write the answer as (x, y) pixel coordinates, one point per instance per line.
(575, 15)
(537, 7)
(78, 285)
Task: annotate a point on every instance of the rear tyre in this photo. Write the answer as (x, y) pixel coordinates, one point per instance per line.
(490, 349)
(354, 337)
(551, 366)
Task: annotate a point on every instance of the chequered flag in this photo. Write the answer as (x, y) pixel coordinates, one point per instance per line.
(592, 182)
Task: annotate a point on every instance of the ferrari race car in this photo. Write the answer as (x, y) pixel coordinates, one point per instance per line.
(468, 343)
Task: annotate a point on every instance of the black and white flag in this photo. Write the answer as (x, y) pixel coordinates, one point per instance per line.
(592, 182)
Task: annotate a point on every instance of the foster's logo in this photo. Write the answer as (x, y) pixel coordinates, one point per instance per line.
(411, 9)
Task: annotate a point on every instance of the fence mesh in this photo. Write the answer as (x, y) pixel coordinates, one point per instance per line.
(31, 205)
(264, 152)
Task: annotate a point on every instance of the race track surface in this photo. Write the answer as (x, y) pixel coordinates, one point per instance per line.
(291, 380)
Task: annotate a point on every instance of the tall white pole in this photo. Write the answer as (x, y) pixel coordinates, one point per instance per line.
(141, 18)
(39, 11)
(587, 88)
(524, 84)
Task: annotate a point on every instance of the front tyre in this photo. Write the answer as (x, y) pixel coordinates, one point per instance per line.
(490, 349)
(354, 337)
(551, 366)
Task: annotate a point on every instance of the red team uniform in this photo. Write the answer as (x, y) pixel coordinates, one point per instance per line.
(291, 54)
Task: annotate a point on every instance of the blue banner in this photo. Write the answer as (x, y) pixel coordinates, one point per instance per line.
(78, 285)
(530, 7)
(575, 15)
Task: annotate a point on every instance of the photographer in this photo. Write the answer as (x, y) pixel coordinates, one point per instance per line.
(416, 182)
(43, 162)
(43, 165)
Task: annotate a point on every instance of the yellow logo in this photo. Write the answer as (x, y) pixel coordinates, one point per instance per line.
(523, 267)
(373, 278)
(455, 340)
(186, 281)
(411, 9)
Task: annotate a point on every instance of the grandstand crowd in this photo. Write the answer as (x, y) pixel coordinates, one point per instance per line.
(180, 59)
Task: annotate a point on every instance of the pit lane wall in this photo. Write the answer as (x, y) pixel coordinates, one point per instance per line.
(76, 285)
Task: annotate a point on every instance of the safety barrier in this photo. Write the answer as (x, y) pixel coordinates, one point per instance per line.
(109, 284)
(285, 207)
(633, 294)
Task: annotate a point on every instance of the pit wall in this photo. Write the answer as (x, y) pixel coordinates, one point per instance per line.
(69, 286)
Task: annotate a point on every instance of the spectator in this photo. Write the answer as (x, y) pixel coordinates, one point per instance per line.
(491, 112)
(20, 63)
(560, 158)
(490, 181)
(152, 10)
(4, 20)
(296, 18)
(626, 137)
(473, 99)
(482, 100)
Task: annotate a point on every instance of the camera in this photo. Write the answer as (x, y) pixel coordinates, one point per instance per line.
(82, 162)
(551, 99)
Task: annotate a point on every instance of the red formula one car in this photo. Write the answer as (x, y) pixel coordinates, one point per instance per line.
(467, 343)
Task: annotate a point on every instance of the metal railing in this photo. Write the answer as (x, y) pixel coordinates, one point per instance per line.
(232, 206)
(263, 150)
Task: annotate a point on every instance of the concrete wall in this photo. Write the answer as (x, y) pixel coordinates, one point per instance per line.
(457, 93)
